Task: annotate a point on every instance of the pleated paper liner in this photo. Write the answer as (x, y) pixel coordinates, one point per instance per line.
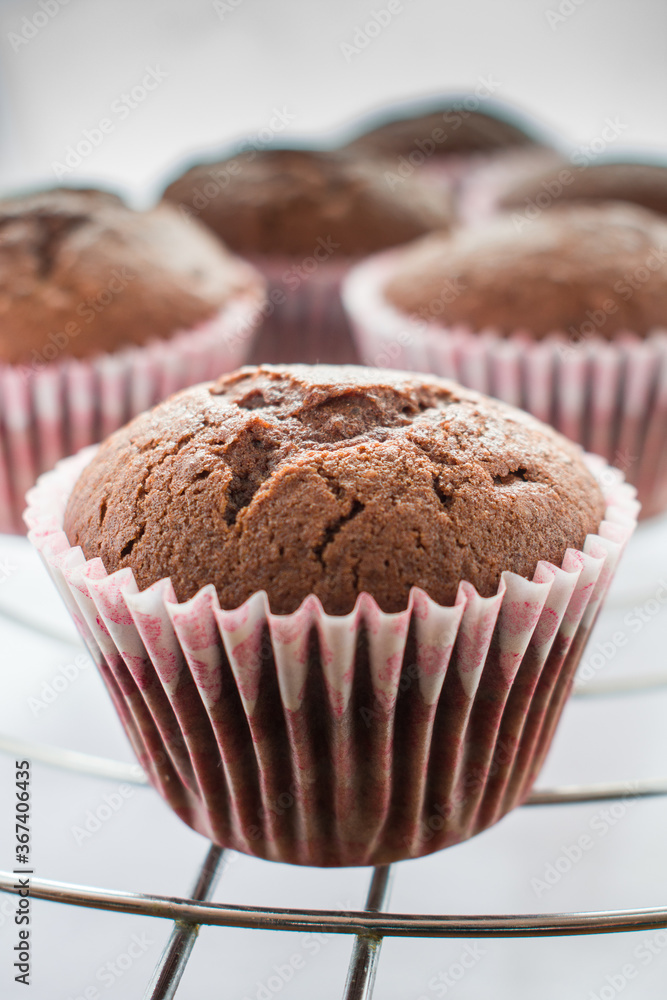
(304, 318)
(54, 411)
(337, 740)
(609, 396)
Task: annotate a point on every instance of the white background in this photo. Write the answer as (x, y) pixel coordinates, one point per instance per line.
(224, 78)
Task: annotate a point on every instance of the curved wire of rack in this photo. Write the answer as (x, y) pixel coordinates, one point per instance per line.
(369, 926)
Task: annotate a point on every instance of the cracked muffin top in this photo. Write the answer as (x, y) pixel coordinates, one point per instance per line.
(297, 201)
(81, 273)
(331, 481)
(581, 269)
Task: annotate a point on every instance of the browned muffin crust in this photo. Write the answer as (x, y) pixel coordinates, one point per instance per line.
(599, 268)
(294, 202)
(452, 129)
(332, 481)
(81, 273)
(642, 184)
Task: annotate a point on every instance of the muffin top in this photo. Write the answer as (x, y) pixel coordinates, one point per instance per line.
(332, 481)
(300, 202)
(579, 269)
(81, 273)
(643, 184)
(452, 127)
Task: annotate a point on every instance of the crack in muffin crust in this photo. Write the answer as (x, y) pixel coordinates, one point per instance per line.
(332, 481)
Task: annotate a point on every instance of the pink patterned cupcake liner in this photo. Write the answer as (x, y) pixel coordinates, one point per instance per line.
(54, 411)
(608, 396)
(337, 740)
(304, 318)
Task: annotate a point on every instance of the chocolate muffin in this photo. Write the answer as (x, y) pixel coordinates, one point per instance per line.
(82, 274)
(332, 481)
(453, 126)
(642, 184)
(293, 202)
(483, 184)
(602, 265)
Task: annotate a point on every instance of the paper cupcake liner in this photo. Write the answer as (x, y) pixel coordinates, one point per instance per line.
(49, 413)
(305, 320)
(337, 740)
(609, 396)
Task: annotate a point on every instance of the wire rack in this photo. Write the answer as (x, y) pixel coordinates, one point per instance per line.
(368, 926)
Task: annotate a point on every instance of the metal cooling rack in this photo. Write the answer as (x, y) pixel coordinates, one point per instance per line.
(368, 926)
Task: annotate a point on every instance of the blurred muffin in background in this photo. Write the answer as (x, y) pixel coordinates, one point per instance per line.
(456, 143)
(450, 138)
(528, 185)
(304, 217)
(282, 201)
(482, 187)
(103, 311)
(78, 268)
(564, 315)
(642, 184)
(452, 125)
(546, 278)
